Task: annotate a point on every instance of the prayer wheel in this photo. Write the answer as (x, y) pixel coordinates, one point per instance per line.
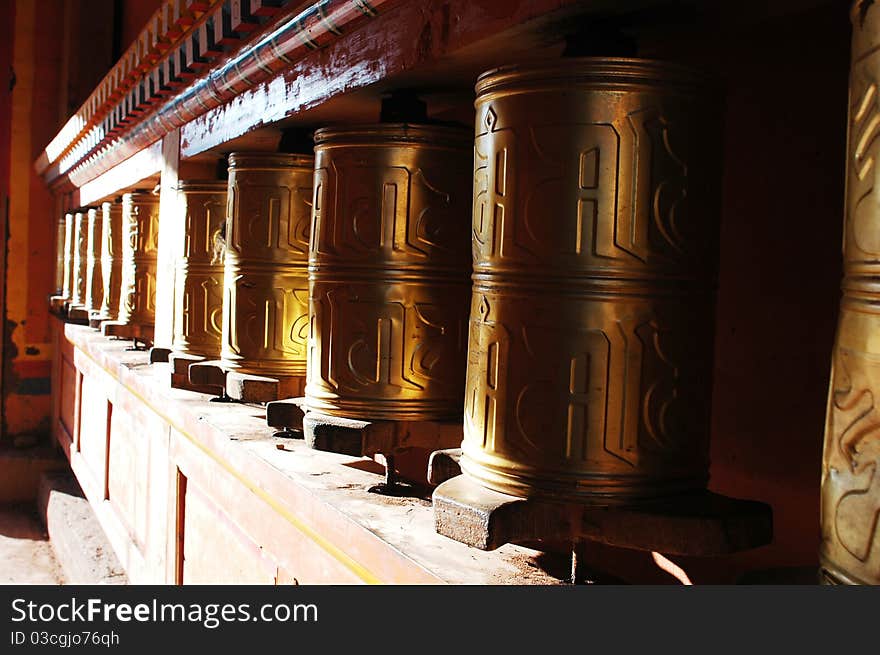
(389, 272)
(67, 288)
(595, 228)
(198, 285)
(265, 311)
(94, 277)
(63, 264)
(850, 507)
(80, 257)
(111, 259)
(60, 253)
(140, 229)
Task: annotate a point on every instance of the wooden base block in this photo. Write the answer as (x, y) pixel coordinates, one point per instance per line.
(78, 313)
(286, 414)
(695, 524)
(250, 388)
(208, 373)
(444, 465)
(57, 305)
(96, 320)
(243, 387)
(368, 438)
(127, 331)
(159, 355)
(180, 364)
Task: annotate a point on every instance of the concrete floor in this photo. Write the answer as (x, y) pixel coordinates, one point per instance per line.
(26, 556)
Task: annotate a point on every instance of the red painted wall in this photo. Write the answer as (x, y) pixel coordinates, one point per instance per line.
(7, 19)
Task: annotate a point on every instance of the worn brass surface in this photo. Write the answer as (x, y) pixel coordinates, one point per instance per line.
(198, 283)
(265, 310)
(595, 248)
(111, 259)
(140, 229)
(850, 548)
(60, 254)
(80, 256)
(94, 277)
(389, 272)
(67, 288)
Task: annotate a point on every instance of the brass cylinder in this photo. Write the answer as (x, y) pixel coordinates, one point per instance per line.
(111, 259)
(60, 251)
(80, 256)
(595, 246)
(265, 310)
(94, 279)
(389, 272)
(140, 228)
(198, 283)
(850, 547)
(69, 246)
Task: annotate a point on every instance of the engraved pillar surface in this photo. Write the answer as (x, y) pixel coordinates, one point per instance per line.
(198, 283)
(80, 255)
(94, 280)
(850, 548)
(69, 246)
(111, 258)
(595, 246)
(60, 244)
(265, 310)
(140, 230)
(389, 272)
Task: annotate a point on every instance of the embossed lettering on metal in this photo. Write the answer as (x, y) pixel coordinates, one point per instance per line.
(389, 272)
(595, 244)
(850, 547)
(140, 228)
(94, 280)
(111, 258)
(265, 310)
(198, 284)
(80, 255)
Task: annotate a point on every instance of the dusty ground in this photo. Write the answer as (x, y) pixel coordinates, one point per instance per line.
(25, 554)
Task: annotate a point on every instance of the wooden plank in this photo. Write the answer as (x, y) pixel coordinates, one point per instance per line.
(140, 168)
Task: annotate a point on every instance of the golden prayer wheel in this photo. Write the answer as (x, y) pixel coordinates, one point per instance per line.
(111, 259)
(63, 264)
(80, 257)
(140, 229)
(198, 285)
(265, 312)
(60, 253)
(850, 548)
(595, 248)
(94, 277)
(67, 288)
(389, 272)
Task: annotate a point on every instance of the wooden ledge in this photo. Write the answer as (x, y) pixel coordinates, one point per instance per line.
(308, 509)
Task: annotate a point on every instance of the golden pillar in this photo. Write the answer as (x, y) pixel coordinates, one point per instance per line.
(111, 260)
(76, 309)
(850, 548)
(265, 311)
(94, 277)
(389, 272)
(595, 246)
(198, 284)
(137, 304)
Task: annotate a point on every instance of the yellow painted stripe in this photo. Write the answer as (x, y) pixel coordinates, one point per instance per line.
(329, 547)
